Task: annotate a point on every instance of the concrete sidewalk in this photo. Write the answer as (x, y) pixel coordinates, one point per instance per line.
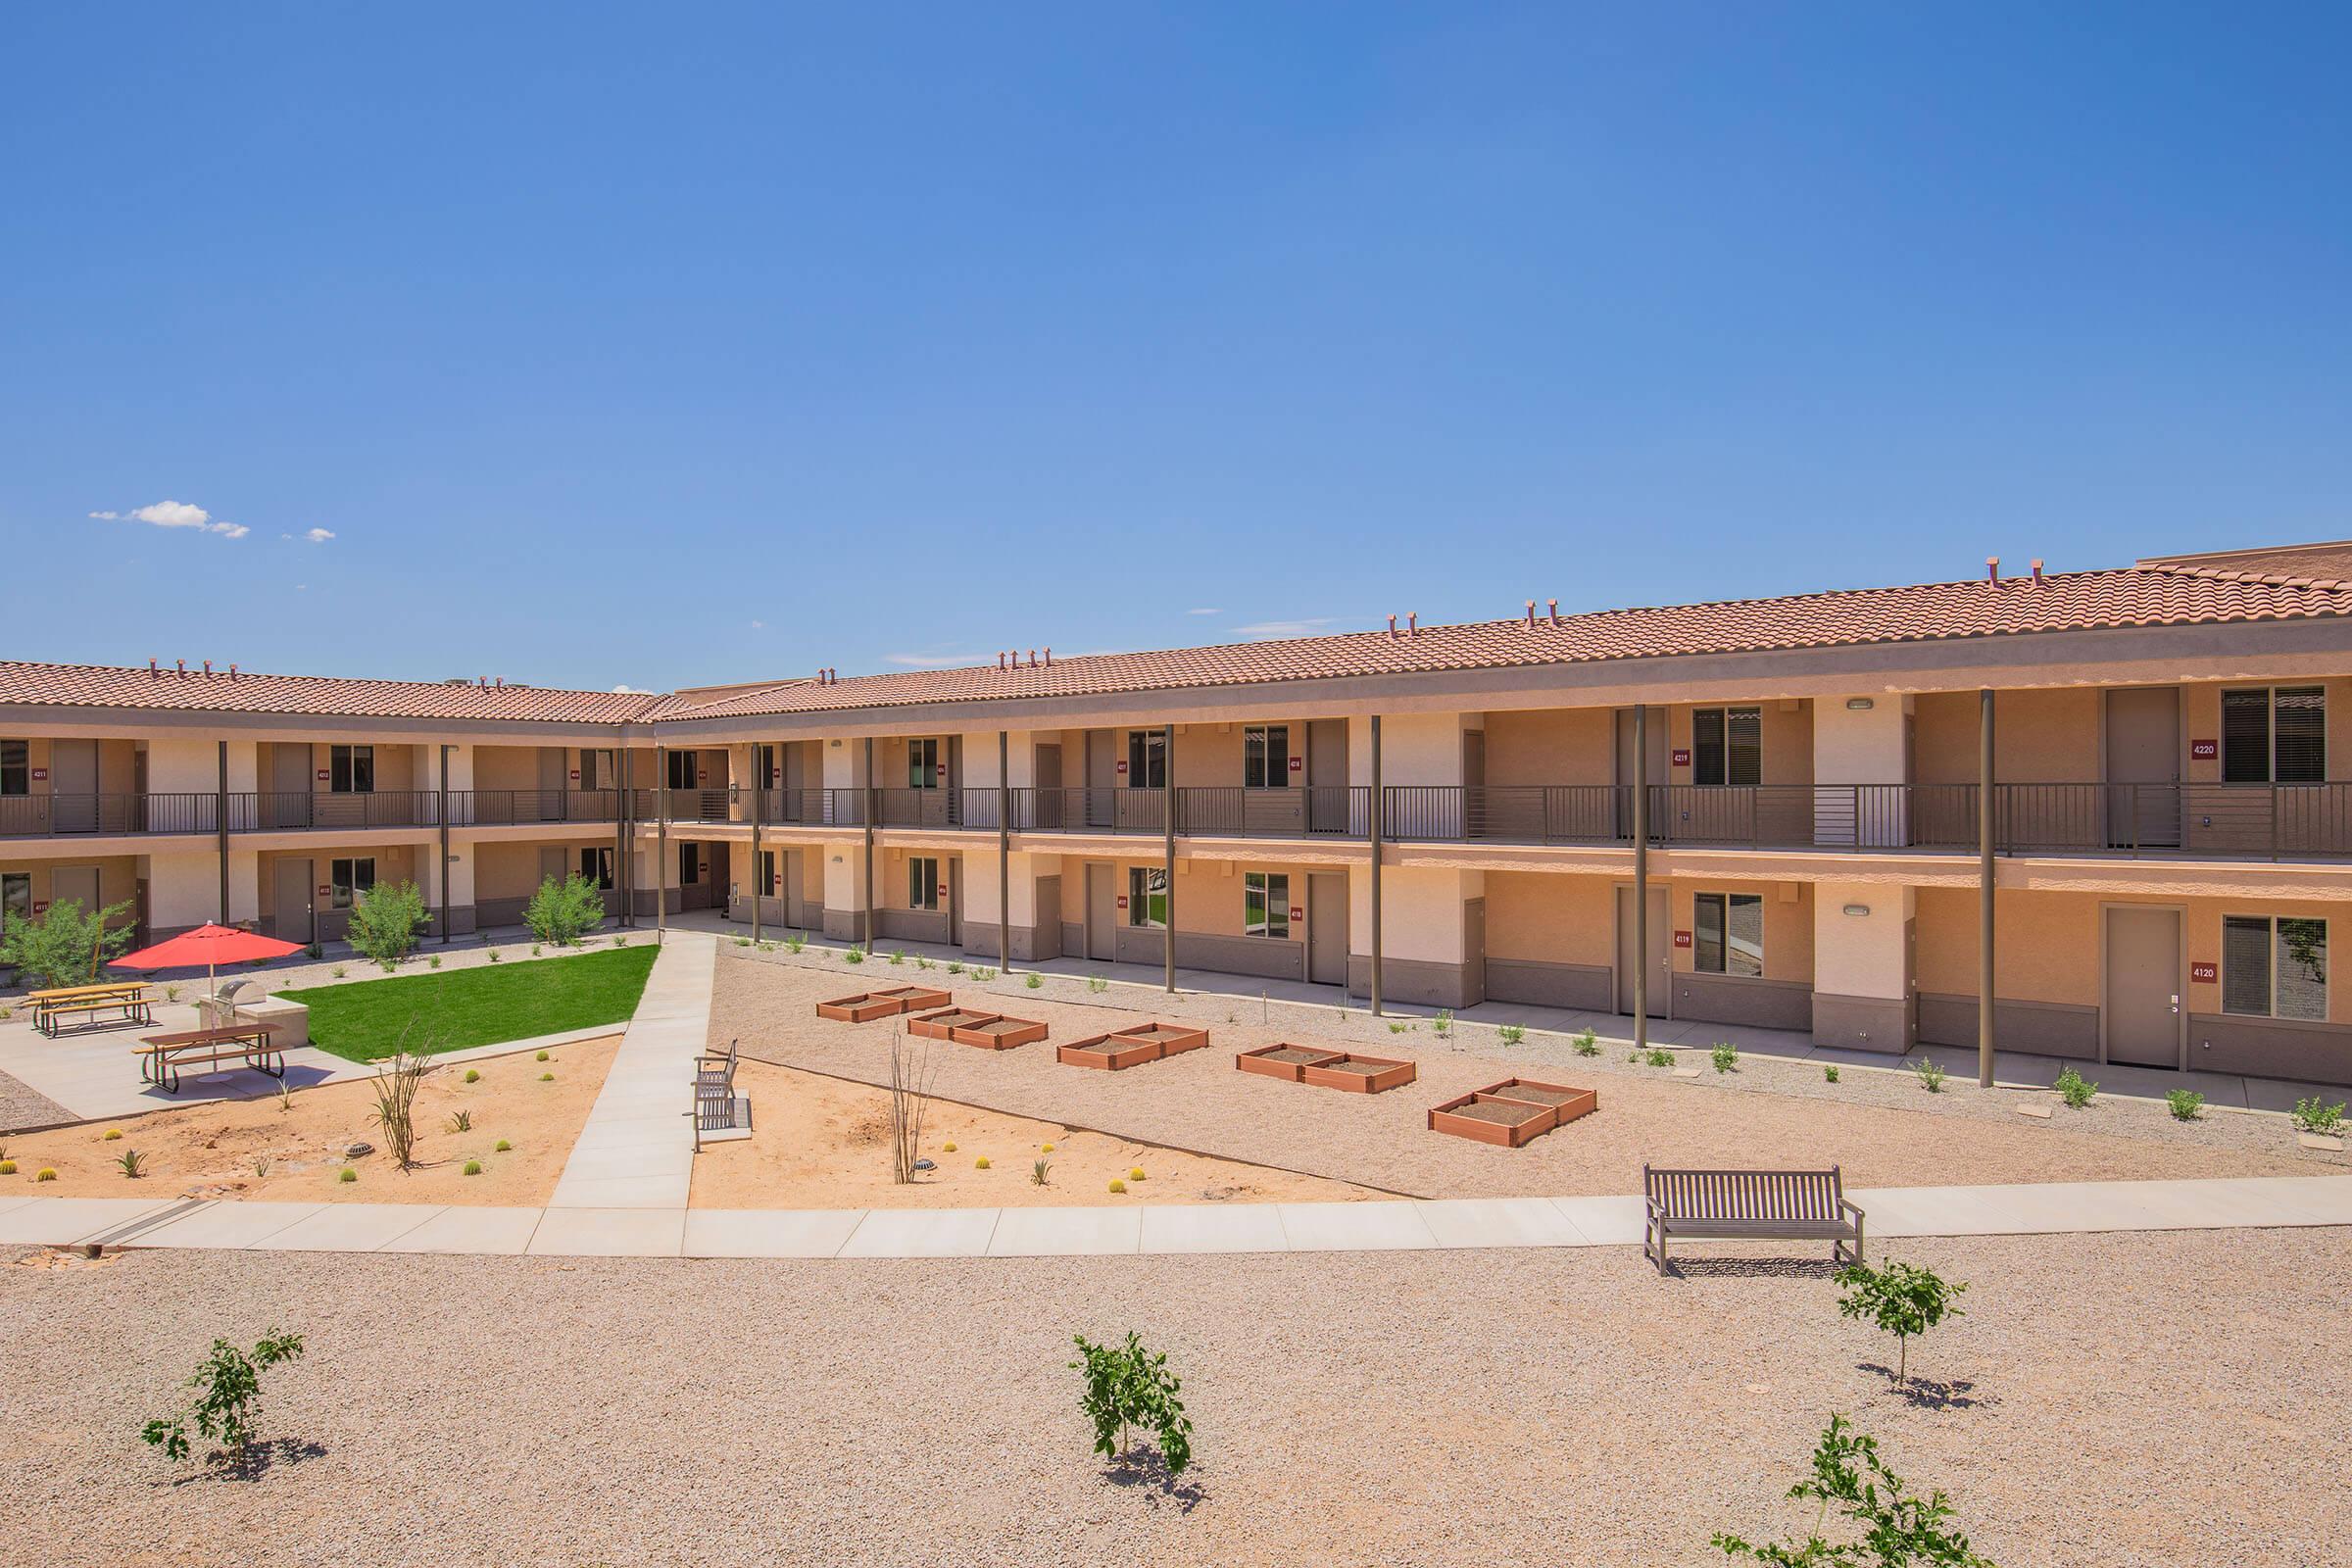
(674, 1231)
(637, 1149)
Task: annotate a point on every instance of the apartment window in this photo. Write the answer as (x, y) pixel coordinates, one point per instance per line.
(1728, 934)
(922, 883)
(596, 868)
(690, 867)
(1266, 756)
(2275, 968)
(2274, 734)
(351, 769)
(1147, 758)
(922, 765)
(1265, 905)
(347, 879)
(16, 767)
(597, 769)
(1147, 897)
(1727, 745)
(682, 770)
(16, 898)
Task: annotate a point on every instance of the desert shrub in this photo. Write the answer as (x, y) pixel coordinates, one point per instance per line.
(741, 942)
(1901, 1298)
(227, 1399)
(1898, 1528)
(472, 1167)
(1096, 985)
(132, 1164)
(397, 1080)
(854, 956)
(1511, 1034)
(494, 955)
(1038, 1170)
(1045, 1148)
(1445, 1023)
(621, 941)
(433, 963)
(110, 1134)
(2186, 1104)
(921, 963)
(1034, 981)
(385, 921)
(2313, 1117)
(1930, 1076)
(339, 971)
(541, 1056)
(1587, 1044)
(1128, 1386)
(547, 1077)
(565, 911)
(474, 1075)
(500, 1147)
(170, 992)
(461, 1121)
(1726, 1057)
(1661, 1058)
(898, 955)
(948, 1148)
(1117, 1186)
(910, 1075)
(534, 949)
(315, 951)
(260, 1166)
(981, 1164)
(44, 1174)
(64, 946)
(954, 966)
(8, 1167)
(347, 1174)
(1395, 1027)
(1828, 1074)
(2074, 1089)
(795, 944)
(1135, 1173)
(1634, 1057)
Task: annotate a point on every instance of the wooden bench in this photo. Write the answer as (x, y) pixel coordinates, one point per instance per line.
(713, 1092)
(210, 1051)
(128, 998)
(1749, 1205)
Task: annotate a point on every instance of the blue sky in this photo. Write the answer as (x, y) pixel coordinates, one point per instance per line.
(657, 346)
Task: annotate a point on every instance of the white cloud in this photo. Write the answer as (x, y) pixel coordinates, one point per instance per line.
(758, 625)
(177, 514)
(319, 536)
(935, 660)
(1205, 611)
(1271, 631)
(633, 691)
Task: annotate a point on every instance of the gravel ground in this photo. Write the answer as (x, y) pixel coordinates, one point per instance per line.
(22, 1105)
(1545, 1055)
(1197, 1101)
(1395, 1409)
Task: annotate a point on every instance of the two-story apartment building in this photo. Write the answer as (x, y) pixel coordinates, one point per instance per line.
(1441, 814)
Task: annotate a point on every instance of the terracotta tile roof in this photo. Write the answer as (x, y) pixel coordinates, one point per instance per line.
(2146, 595)
(311, 696)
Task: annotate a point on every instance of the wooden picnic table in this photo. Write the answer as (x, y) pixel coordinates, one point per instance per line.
(162, 1056)
(129, 997)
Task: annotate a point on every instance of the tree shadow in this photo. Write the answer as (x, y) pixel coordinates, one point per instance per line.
(257, 1461)
(1925, 1394)
(1145, 1468)
(1784, 1268)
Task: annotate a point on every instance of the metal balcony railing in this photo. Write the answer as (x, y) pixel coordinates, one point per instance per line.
(514, 808)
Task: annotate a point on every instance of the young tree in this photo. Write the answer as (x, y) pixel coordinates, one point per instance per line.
(385, 920)
(1127, 1385)
(563, 912)
(227, 1401)
(1900, 1299)
(1896, 1530)
(63, 946)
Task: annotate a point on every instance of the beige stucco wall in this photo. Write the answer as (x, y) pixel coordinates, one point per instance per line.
(118, 881)
(2039, 737)
(1550, 746)
(1551, 919)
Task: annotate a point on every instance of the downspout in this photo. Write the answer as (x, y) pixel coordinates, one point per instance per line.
(1985, 888)
(1167, 801)
(1004, 850)
(1377, 830)
(1642, 876)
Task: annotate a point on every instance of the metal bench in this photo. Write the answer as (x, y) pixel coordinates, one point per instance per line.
(1749, 1205)
(714, 1100)
(162, 1056)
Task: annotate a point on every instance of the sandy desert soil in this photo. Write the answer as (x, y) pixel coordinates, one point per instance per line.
(212, 1150)
(821, 1143)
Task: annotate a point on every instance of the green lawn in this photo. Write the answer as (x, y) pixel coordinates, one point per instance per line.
(483, 1006)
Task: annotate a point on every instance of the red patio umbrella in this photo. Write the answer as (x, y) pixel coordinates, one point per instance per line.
(208, 945)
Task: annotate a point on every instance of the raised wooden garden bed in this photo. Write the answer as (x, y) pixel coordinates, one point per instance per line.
(999, 1034)
(942, 1025)
(1512, 1112)
(1173, 1039)
(919, 999)
(863, 1008)
(1132, 1046)
(1283, 1060)
(1363, 1075)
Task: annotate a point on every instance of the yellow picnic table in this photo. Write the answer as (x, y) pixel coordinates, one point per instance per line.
(129, 997)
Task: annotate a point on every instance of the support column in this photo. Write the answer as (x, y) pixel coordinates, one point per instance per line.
(759, 877)
(1167, 802)
(872, 805)
(1642, 876)
(1985, 888)
(624, 874)
(443, 874)
(221, 822)
(661, 843)
(1005, 852)
(1377, 827)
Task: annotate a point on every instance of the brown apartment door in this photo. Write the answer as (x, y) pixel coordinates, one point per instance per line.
(74, 786)
(292, 912)
(1327, 929)
(554, 778)
(1101, 911)
(1474, 952)
(2143, 987)
(2143, 766)
(1047, 811)
(1104, 749)
(1658, 1002)
(290, 790)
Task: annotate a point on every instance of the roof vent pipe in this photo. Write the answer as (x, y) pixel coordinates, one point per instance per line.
(1413, 624)
(153, 668)
(1554, 603)
(207, 666)
(1992, 569)
(1391, 626)
(232, 672)
(999, 658)
(2036, 571)
(1032, 659)
(183, 664)
(1049, 656)
(1530, 611)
